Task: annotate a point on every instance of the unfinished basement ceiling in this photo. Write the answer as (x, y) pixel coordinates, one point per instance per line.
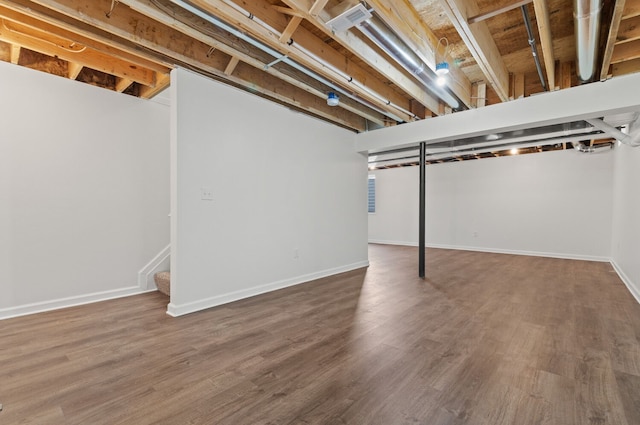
(291, 52)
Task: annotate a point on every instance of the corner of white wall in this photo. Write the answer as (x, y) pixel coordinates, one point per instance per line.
(278, 191)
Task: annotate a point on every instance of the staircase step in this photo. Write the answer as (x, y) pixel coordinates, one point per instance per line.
(163, 280)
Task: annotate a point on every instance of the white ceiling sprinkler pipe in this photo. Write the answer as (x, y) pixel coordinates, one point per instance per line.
(631, 139)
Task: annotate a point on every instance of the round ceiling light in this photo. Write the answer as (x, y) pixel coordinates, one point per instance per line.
(333, 99)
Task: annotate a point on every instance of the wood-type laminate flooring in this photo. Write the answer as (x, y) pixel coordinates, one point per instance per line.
(486, 339)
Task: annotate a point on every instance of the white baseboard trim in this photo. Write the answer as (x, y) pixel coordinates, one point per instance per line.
(500, 251)
(635, 291)
(385, 242)
(527, 253)
(25, 309)
(176, 310)
(159, 263)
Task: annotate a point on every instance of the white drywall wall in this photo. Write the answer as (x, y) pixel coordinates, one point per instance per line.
(84, 190)
(283, 185)
(625, 249)
(551, 204)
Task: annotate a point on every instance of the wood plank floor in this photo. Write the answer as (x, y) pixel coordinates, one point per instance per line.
(485, 339)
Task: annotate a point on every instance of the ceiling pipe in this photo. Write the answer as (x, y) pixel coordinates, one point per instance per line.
(631, 139)
(577, 142)
(586, 16)
(584, 148)
(532, 43)
(284, 58)
(378, 32)
(488, 147)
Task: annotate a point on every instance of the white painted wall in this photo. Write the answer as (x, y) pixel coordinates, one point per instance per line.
(551, 204)
(626, 212)
(281, 181)
(84, 191)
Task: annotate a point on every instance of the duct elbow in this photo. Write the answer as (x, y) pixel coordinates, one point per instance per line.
(583, 148)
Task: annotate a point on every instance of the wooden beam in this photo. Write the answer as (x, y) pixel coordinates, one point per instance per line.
(627, 67)
(518, 86)
(74, 70)
(167, 41)
(626, 51)
(290, 29)
(405, 21)
(565, 75)
(148, 9)
(288, 11)
(32, 16)
(325, 60)
(51, 45)
(546, 40)
(231, 66)
(628, 30)
(418, 109)
(611, 38)
(632, 9)
(480, 43)
(363, 50)
(147, 92)
(122, 84)
(317, 7)
(498, 11)
(15, 53)
(480, 95)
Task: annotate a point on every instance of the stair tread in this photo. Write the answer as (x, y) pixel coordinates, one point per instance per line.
(163, 282)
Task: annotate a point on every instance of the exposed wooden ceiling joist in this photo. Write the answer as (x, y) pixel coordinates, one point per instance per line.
(49, 21)
(366, 53)
(406, 23)
(40, 41)
(626, 51)
(480, 43)
(611, 38)
(122, 84)
(632, 9)
(628, 67)
(75, 69)
(348, 75)
(168, 42)
(497, 11)
(15, 53)
(546, 40)
(237, 52)
(628, 30)
(295, 59)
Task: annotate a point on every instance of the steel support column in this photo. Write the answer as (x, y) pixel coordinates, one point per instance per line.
(421, 226)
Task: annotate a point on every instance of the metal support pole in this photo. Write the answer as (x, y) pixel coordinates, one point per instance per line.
(421, 226)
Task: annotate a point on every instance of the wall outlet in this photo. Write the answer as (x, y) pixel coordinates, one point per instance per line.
(206, 194)
(296, 253)
(475, 234)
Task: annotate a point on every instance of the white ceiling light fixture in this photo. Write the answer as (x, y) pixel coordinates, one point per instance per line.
(442, 67)
(333, 99)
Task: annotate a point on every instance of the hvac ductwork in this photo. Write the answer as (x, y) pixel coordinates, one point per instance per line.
(582, 147)
(586, 15)
(378, 32)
